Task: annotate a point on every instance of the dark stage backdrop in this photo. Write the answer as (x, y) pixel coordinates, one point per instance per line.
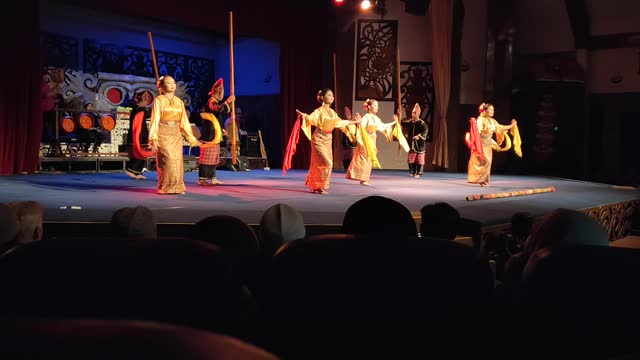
(300, 27)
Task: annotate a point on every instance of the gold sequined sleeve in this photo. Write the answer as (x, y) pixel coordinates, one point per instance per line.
(185, 126)
(156, 111)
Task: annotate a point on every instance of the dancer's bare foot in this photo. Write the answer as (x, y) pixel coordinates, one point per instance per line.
(365, 183)
(215, 181)
(131, 174)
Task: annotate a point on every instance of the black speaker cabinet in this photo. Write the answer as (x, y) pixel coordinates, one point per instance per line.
(251, 146)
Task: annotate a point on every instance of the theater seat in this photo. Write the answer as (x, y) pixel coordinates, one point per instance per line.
(354, 295)
(104, 339)
(584, 300)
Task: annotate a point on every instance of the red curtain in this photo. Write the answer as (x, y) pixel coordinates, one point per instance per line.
(20, 115)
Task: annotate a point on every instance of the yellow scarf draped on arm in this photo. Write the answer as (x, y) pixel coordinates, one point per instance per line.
(517, 142)
(369, 147)
(397, 133)
(216, 126)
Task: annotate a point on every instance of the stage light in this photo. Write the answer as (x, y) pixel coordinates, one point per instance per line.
(365, 5)
(338, 2)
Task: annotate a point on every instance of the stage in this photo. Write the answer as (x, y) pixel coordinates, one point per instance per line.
(70, 198)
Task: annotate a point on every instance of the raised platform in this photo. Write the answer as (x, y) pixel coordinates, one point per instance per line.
(74, 202)
(91, 163)
(105, 163)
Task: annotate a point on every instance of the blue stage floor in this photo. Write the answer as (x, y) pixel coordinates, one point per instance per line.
(94, 197)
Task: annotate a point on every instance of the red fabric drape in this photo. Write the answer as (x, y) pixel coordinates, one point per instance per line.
(138, 151)
(291, 146)
(20, 114)
(473, 139)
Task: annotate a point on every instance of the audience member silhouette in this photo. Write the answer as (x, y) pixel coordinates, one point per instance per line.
(562, 227)
(234, 237)
(379, 215)
(9, 228)
(521, 224)
(439, 220)
(134, 223)
(280, 224)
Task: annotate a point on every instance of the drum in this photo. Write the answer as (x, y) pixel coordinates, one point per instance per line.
(68, 124)
(107, 122)
(86, 121)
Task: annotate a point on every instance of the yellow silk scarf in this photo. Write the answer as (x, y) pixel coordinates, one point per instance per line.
(216, 126)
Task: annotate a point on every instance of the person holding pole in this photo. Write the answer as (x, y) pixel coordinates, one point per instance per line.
(212, 134)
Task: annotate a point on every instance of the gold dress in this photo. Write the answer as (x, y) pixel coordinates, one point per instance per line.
(325, 120)
(479, 169)
(360, 166)
(168, 122)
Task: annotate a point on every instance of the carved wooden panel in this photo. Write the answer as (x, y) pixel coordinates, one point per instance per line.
(616, 218)
(376, 60)
(100, 57)
(416, 86)
(138, 62)
(135, 64)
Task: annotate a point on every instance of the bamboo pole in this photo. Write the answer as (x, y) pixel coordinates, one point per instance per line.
(153, 57)
(335, 83)
(234, 131)
(398, 84)
(398, 89)
(335, 144)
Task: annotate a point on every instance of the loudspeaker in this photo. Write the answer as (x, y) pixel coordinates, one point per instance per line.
(252, 146)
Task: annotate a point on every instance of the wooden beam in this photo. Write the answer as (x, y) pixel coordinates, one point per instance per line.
(579, 19)
(615, 41)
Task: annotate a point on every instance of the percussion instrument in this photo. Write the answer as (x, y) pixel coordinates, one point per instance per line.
(68, 124)
(86, 120)
(107, 122)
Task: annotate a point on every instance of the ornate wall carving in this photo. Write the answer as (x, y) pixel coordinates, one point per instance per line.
(616, 218)
(416, 86)
(196, 74)
(376, 60)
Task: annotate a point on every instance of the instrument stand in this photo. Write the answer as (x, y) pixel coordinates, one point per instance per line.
(55, 150)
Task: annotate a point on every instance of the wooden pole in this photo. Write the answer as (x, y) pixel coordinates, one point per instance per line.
(398, 84)
(335, 83)
(153, 57)
(399, 94)
(234, 130)
(336, 143)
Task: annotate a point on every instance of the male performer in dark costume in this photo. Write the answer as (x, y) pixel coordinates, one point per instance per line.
(415, 130)
(212, 134)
